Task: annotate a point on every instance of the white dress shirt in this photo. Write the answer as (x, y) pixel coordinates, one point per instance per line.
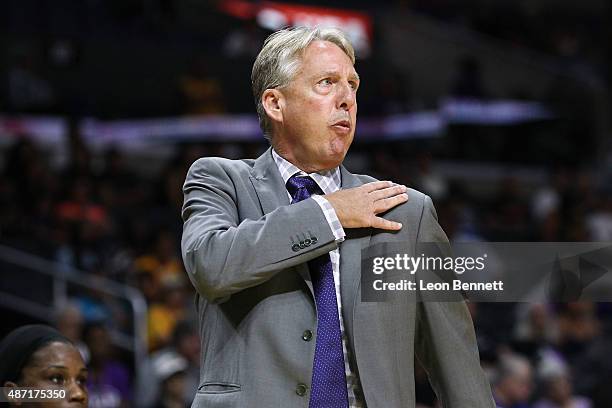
(329, 181)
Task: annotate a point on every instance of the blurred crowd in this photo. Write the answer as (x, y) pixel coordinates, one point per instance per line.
(202, 56)
(574, 32)
(107, 216)
(99, 215)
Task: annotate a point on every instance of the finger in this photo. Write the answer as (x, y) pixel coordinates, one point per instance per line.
(381, 223)
(376, 185)
(388, 203)
(388, 192)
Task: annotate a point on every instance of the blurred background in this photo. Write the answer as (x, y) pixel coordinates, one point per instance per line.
(499, 110)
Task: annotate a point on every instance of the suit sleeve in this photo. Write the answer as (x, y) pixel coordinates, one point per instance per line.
(445, 339)
(223, 254)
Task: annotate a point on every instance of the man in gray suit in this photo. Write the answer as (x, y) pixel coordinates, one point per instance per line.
(273, 247)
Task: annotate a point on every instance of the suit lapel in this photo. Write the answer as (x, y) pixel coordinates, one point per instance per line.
(268, 183)
(271, 192)
(350, 260)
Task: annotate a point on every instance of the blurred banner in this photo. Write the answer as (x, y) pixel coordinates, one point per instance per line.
(238, 128)
(274, 16)
(44, 130)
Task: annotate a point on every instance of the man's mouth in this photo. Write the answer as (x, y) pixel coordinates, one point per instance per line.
(342, 125)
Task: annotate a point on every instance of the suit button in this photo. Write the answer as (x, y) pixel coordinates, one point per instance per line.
(301, 389)
(307, 242)
(307, 335)
(302, 245)
(313, 239)
(295, 247)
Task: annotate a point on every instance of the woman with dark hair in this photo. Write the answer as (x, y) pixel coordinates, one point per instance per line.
(37, 357)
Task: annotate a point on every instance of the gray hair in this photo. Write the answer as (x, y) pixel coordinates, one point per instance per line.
(279, 61)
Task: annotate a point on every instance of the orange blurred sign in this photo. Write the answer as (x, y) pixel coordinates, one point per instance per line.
(274, 16)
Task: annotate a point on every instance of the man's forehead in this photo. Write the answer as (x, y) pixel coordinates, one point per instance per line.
(325, 49)
(325, 57)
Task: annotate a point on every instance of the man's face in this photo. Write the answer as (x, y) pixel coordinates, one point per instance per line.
(319, 109)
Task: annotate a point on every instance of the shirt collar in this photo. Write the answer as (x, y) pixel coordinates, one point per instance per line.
(328, 180)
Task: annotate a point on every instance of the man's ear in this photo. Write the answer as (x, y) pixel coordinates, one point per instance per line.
(12, 401)
(273, 101)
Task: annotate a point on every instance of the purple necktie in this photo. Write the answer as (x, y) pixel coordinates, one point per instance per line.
(328, 388)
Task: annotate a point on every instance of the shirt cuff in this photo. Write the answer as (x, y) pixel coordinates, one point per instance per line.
(331, 217)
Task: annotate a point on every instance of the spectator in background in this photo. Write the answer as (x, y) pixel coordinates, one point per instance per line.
(183, 351)
(69, 321)
(546, 206)
(547, 198)
(588, 352)
(428, 180)
(170, 371)
(578, 328)
(116, 188)
(92, 306)
(88, 224)
(144, 281)
(38, 356)
(109, 380)
(202, 92)
(80, 157)
(512, 382)
(599, 221)
(535, 331)
(510, 218)
(164, 314)
(162, 261)
(460, 220)
(27, 189)
(186, 342)
(558, 393)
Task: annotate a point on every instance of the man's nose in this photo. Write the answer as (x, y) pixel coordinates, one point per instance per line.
(346, 96)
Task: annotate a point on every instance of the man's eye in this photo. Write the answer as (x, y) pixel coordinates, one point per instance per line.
(326, 82)
(353, 85)
(81, 380)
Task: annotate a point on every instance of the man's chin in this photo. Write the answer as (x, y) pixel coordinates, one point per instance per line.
(338, 146)
(333, 160)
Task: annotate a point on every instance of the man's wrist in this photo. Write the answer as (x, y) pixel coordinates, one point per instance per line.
(331, 217)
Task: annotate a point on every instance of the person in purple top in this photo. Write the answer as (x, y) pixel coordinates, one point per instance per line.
(109, 381)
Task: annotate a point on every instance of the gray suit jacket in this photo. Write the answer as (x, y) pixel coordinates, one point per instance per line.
(256, 304)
